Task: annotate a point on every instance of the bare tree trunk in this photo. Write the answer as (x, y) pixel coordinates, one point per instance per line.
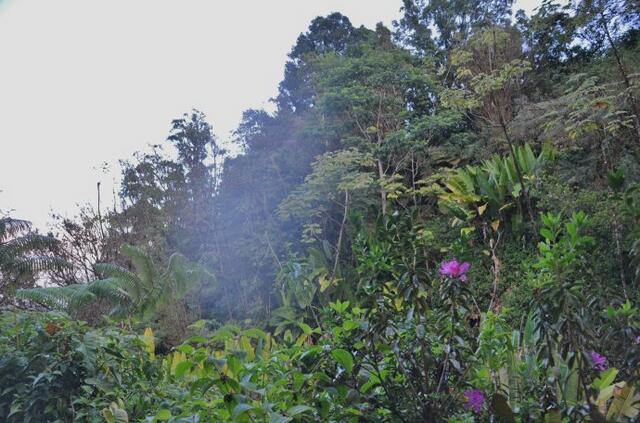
(99, 213)
(496, 267)
(383, 192)
(413, 179)
(341, 234)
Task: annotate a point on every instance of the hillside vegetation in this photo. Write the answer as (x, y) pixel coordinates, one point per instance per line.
(440, 222)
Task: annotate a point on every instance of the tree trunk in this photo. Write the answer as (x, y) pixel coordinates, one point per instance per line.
(340, 234)
(383, 192)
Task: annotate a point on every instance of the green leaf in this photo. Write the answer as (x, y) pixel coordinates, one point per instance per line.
(344, 358)
(305, 328)
(606, 378)
(546, 233)
(240, 409)
(187, 349)
(162, 415)
(255, 333)
(298, 409)
(277, 418)
(182, 368)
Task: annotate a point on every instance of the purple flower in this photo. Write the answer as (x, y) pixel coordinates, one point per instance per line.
(455, 269)
(638, 339)
(474, 398)
(599, 361)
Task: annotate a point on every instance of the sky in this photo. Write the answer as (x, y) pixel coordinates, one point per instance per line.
(84, 83)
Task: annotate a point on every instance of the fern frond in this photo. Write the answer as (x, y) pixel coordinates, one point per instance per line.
(129, 281)
(24, 244)
(36, 264)
(143, 264)
(57, 298)
(110, 289)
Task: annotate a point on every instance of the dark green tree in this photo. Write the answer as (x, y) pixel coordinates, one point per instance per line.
(430, 25)
(331, 34)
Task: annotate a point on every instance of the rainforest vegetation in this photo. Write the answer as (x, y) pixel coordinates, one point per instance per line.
(440, 222)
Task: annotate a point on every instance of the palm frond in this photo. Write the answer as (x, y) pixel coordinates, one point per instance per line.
(58, 298)
(129, 281)
(10, 227)
(24, 244)
(143, 264)
(36, 264)
(111, 289)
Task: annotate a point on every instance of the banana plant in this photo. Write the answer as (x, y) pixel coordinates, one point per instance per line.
(488, 189)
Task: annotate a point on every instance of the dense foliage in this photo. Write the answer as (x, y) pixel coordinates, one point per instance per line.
(438, 223)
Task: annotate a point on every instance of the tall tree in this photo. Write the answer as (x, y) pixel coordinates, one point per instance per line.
(84, 241)
(368, 98)
(200, 159)
(331, 34)
(490, 70)
(429, 25)
(603, 23)
(168, 202)
(549, 36)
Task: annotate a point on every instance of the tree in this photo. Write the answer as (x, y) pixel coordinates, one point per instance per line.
(200, 161)
(152, 193)
(367, 100)
(429, 25)
(340, 179)
(603, 22)
(490, 70)
(331, 34)
(548, 38)
(168, 203)
(83, 241)
(254, 238)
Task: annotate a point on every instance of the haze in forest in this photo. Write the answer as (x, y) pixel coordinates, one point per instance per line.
(85, 84)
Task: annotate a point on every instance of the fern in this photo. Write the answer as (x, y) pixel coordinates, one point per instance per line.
(23, 252)
(128, 293)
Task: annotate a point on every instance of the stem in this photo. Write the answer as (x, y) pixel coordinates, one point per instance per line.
(392, 403)
(617, 236)
(496, 266)
(340, 234)
(99, 213)
(383, 192)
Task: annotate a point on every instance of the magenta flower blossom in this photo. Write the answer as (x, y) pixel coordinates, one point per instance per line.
(474, 399)
(638, 339)
(599, 361)
(454, 269)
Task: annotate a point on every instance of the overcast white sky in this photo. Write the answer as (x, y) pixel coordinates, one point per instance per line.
(84, 82)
